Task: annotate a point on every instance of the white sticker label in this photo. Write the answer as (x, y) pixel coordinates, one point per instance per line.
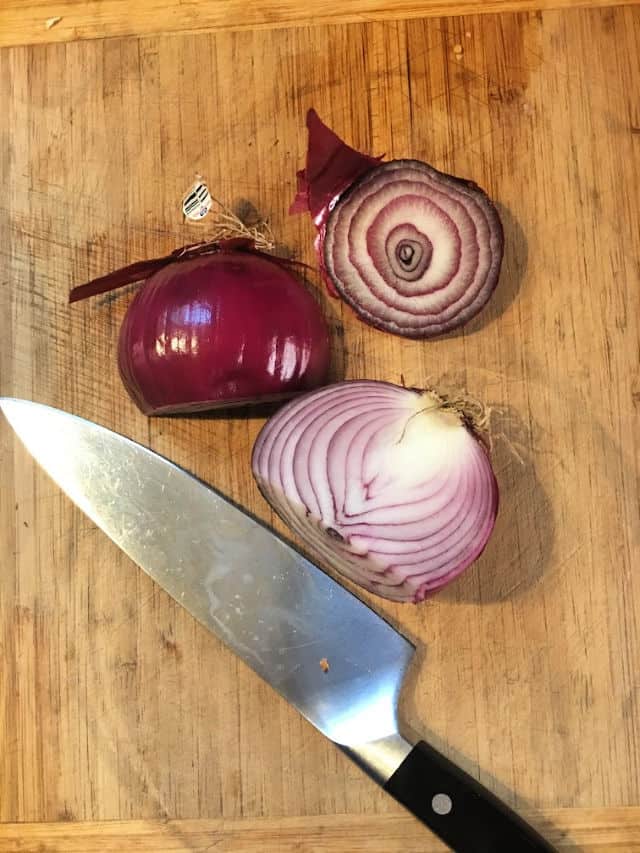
(197, 202)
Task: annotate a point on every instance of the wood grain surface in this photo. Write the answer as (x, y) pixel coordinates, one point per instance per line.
(114, 704)
(570, 830)
(45, 21)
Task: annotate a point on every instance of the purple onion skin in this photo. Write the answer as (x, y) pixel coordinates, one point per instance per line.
(331, 167)
(381, 483)
(221, 330)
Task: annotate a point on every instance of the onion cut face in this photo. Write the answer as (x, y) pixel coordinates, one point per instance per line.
(412, 250)
(389, 486)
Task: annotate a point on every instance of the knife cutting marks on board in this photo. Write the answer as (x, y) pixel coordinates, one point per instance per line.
(275, 609)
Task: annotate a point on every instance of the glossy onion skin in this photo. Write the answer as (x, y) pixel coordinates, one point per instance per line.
(450, 230)
(396, 497)
(222, 329)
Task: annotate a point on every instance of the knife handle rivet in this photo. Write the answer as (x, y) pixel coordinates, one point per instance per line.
(442, 804)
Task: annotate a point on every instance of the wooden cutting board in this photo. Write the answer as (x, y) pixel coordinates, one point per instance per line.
(114, 704)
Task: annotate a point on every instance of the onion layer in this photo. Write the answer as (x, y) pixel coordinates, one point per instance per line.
(390, 486)
(412, 250)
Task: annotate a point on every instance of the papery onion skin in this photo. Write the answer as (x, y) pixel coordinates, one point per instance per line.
(331, 167)
(388, 486)
(435, 262)
(221, 330)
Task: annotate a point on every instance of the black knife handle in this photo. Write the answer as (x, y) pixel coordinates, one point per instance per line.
(466, 816)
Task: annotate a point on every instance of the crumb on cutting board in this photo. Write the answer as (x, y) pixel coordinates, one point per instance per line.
(51, 22)
(324, 665)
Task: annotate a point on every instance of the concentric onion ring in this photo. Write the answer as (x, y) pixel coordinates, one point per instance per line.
(414, 252)
(389, 487)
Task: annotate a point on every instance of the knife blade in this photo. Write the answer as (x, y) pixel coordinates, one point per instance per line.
(325, 651)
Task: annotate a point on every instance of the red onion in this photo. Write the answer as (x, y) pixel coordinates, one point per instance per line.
(392, 487)
(230, 326)
(412, 250)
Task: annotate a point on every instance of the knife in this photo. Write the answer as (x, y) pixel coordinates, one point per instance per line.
(332, 657)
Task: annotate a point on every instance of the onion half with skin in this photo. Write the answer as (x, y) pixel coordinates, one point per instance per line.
(412, 250)
(219, 331)
(216, 325)
(390, 486)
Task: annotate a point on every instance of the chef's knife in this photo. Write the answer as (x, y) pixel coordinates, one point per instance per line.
(338, 662)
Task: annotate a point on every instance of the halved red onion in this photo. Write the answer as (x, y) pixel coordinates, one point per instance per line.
(414, 251)
(390, 486)
(216, 325)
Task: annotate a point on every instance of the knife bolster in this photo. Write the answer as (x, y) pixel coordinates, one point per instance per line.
(380, 758)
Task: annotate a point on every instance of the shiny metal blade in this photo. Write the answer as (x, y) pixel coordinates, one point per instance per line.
(272, 606)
